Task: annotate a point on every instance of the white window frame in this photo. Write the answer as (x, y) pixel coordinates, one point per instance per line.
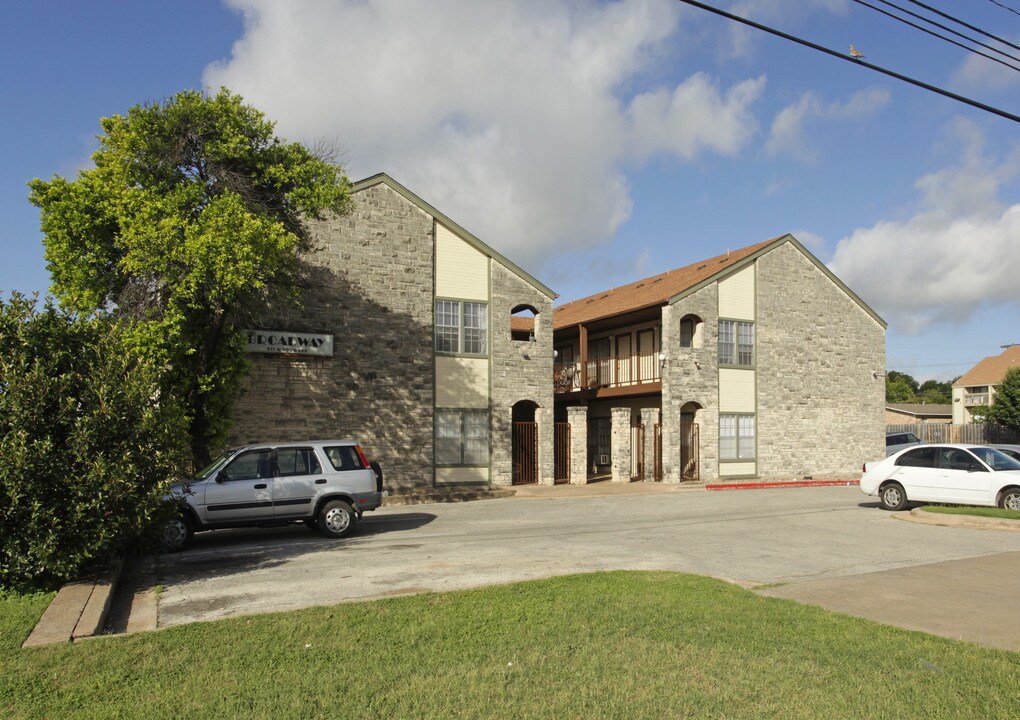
(466, 433)
(461, 327)
(736, 343)
(738, 434)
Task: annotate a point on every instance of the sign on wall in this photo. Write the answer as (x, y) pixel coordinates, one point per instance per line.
(289, 343)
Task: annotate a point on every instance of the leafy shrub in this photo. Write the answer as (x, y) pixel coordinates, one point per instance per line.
(87, 445)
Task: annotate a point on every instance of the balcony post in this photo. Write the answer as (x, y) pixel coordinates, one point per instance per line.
(582, 333)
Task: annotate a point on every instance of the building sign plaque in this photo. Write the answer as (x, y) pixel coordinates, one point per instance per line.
(289, 343)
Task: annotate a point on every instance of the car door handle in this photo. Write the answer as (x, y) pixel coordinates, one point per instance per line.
(320, 481)
(261, 486)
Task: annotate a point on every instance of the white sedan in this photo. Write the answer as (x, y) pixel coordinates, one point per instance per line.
(951, 474)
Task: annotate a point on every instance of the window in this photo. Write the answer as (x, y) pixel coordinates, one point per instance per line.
(736, 437)
(249, 465)
(687, 332)
(462, 437)
(462, 324)
(736, 343)
(922, 457)
(297, 461)
(344, 457)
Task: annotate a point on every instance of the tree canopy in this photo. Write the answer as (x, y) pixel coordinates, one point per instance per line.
(903, 388)
(191, 220)
(1005, 408)
(87, 438)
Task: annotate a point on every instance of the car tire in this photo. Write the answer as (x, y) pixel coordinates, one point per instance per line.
(1010, 499)
(892, 497)
(178, 533)
(336, 519)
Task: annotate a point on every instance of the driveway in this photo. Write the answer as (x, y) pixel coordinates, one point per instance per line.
(799, 537)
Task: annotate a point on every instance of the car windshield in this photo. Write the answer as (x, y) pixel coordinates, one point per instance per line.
(994, 459)
(214, 465)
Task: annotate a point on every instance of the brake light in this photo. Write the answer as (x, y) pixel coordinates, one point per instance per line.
(364, 460)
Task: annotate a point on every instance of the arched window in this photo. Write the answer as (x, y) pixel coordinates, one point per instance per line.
(690, 331)
(522, 323)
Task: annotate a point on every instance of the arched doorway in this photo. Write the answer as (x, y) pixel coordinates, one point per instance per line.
(690, 442)
(525, 443)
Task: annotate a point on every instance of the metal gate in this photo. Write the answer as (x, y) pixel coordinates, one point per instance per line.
(690, 451)
(525, 453)
(657, 453)
(561, 453)
(638, 446)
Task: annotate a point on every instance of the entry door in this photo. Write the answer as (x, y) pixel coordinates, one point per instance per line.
(242, 490)
(646, 351)
(624, 362)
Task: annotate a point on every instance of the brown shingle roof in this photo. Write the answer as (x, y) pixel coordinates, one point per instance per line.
(522, 323)
(933, 410)
(991, 370)
(656, 290)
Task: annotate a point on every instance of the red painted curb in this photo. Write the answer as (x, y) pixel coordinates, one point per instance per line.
(787, 483)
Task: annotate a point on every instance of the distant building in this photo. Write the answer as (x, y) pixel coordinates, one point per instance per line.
(977, 386)
(904, 413)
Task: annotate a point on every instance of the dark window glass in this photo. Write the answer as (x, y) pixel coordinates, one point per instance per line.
(344, 457)
(922, 457)
(250, 465)
(297, 461)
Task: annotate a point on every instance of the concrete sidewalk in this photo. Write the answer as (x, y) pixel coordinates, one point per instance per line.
(972, 600)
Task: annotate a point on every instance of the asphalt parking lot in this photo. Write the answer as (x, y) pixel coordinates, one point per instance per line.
(829, 546)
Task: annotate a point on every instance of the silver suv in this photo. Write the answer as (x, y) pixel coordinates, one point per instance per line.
(328, 484)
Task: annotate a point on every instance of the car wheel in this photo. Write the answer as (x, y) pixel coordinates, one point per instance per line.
(893, 497)
(178, 533)
(1010, 499)
(336, 519)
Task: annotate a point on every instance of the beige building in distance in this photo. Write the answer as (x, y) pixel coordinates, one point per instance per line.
(976, 387)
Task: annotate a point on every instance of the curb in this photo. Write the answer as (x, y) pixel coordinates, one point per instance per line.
(921, 516)
(78, 611)
(780, 484)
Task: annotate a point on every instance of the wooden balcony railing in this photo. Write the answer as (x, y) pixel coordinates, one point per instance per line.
(608, 372)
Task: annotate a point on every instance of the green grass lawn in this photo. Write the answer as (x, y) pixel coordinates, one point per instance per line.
(614, 645)
(979, 511)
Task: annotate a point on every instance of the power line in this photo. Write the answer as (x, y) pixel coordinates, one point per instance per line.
(961, 22)
(1004, 7)
(856, 61)
(942, 37)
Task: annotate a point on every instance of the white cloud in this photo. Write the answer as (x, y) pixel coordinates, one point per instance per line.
(955, 255)
(789, 135)
(980, 73)
(511, 117)
(782, 14)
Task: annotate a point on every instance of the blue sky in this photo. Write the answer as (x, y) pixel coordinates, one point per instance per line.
(594, 143)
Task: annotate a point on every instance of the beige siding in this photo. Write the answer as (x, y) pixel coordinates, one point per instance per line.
(461, 271)
(743, 468)
(736, 295)
(457, 475)
(462, 382)
(736, 390)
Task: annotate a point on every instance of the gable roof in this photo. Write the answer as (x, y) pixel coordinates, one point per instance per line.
(991, 370)
(673, 285)
(933, 410)
(384, 179)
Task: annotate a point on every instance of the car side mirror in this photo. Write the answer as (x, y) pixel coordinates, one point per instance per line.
(221, 476)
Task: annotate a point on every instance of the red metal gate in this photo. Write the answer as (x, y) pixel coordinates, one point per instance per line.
(639, 448)
(657, 453)
(525, 453)
(561, 453)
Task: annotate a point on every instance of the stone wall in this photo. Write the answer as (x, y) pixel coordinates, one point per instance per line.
(821, 365)
(521, 371)
(369, 283)
(691, 375)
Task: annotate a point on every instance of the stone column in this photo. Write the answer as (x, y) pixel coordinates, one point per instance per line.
(577, 418)
(621, 445)
(649, 418)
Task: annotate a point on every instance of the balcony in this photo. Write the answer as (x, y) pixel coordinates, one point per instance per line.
(615, 372)
(972, 400)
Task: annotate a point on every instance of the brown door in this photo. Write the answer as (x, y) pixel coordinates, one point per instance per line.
(525, 453)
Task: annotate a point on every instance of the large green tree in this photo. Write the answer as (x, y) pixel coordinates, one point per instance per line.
(1005, 408)
(191, 220)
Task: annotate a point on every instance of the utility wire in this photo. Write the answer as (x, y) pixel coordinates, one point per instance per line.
(966, 25)
(1004, 7)
(862, 63)
(943, 27)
